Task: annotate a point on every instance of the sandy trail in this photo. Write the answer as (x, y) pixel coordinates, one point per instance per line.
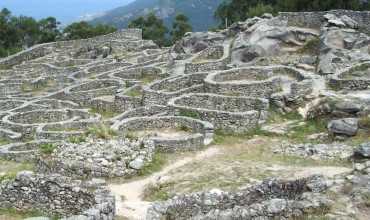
(128, 195)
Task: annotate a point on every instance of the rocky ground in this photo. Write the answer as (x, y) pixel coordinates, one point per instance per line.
(268, 119)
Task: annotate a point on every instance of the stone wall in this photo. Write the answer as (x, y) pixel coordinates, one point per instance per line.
(316, 19)
(43, 49)
(199, 132)
(161, 91)
(231, 114)
(56, 195)
(273, 199)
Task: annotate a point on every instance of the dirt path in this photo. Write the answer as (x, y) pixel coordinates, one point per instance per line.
(128, 195)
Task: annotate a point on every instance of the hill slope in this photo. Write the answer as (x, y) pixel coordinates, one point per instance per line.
(200, 12)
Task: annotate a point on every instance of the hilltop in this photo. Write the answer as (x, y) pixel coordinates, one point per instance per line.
(200, 12)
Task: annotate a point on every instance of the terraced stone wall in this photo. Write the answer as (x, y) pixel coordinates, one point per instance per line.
(56, 195)
(316, 19)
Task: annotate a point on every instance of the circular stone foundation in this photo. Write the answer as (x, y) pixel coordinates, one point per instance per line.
(354, 78)
(169, 133)
(162, 91)
(252, 81)
(46, 116)
(229, 113)
(22, 152)
(92, 89)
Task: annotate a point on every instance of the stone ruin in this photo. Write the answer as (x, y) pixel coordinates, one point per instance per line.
(106, 105)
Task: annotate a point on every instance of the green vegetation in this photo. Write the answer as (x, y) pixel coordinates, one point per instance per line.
(134, 93)
(15, 214)
(19, 32)
(47, 148)
(131, 136)
(239, 10)
(311, 46)
(83, 30)
(36, 89)
(101, 131)
(77, 139)
(184, 128)
(155, 29)
(313, 126)
(180, 27)
(159, 160)
(190, 114)
(3, 141)
(105, 113)
(12, 168)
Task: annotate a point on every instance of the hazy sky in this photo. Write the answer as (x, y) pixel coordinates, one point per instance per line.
(64, 10)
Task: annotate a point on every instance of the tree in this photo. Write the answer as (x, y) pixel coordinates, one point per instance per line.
(153, 28)
(259, 10)
(83, 30)
(49, 29)
(180, 27)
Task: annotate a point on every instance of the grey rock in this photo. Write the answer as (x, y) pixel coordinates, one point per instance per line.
(349, 22)
(137, 164)
(346, 126)
(348, 107)
(363, 151)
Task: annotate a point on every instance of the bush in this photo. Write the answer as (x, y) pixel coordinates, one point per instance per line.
(259, 10)
(47, 148)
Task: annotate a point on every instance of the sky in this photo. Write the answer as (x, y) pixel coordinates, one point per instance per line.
(66, 11)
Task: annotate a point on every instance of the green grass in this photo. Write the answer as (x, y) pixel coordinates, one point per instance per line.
(134, 93)
(311, 46)
(146, 79)
(159, 160)
(77, 139)
(313, 126)
(3, 141)
(190, 114)
(12, 168)
(28, 87)
(102, 132)
(105, 113)
(47, 148)
(224, 137)
(278, 117)
(14, 214)
(184, 128)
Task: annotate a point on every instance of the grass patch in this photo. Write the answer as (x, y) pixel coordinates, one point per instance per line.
(3, 141)
(190, 114)
(47, 148)
(134, 93)
(184, 128)
(77, 139)
(12, 168)
(102, 132)
(278, 117)
(311, 46)
(37, 89)
(312, 126)
(159, 160)
(106, 114)
(146, 79)
(223, 137)
(14, 214)
(131, 136)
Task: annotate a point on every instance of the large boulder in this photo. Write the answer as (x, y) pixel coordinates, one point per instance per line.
(195, 42)
(345, 126)
(268, 38)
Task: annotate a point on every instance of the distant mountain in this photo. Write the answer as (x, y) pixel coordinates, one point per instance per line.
(200, 12)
